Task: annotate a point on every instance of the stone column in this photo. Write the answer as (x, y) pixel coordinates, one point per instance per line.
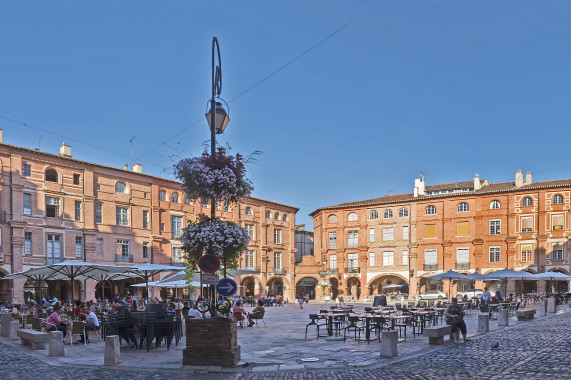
(483, 323)
(14, 326)
(6, 319)
(503, 318)
(112, 352)
(551, 306)
(389, 341)
(55, 343)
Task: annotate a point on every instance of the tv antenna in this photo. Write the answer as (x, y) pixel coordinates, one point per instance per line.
(131, 142)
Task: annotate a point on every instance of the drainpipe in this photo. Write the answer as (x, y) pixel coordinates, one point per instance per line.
(11, 231)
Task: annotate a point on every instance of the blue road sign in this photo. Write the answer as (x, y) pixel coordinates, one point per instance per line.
(226, 287)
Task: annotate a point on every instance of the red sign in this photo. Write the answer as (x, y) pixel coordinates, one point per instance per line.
(209, 263)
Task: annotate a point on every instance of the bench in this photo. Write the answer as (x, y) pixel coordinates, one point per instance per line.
(436, 334)
(35, 339)
(525, 314)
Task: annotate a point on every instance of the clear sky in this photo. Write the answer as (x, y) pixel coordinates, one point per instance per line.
(451, 88)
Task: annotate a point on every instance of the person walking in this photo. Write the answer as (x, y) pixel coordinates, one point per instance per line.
(300, 301)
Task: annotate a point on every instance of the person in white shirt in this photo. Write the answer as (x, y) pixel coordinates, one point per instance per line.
(92, 322)
(192, 312)
(486, 296)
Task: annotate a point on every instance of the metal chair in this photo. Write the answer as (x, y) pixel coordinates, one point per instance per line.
(314, 322)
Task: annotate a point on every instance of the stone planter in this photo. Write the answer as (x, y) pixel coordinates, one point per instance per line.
(211, 342)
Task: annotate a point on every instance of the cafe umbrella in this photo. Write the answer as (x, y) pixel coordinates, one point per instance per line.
(552, 276)
(448, 275)
(510, 274)
(148, 270)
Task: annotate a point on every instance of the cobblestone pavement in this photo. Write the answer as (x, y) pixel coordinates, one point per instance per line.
(533, 350)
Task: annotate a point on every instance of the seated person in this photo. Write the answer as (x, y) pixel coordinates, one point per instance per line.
(32, 308)
(499, 296)
(54, 322)
(186, 307)
(41, 312)
(134, 306)
(172, 309)
(465, 298)
(258, 308)
(455, 318)
(92, 321)
(194, 313)
(78, 310)
(239, 309)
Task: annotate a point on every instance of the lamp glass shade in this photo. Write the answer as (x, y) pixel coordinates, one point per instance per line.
(221, 118)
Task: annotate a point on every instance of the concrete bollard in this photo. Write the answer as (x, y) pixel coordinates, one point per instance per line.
(483, 323)
(112, 352)
(14, 326)
(389, 341)
(55, 343)
(551, 307)
(503, 318)
(6, 319)
(542, 309)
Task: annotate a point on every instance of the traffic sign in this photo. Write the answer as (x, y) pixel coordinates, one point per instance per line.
(226, 287)
(209, 278)
(209, 263)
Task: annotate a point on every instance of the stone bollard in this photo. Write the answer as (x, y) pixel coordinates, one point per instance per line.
(112, 353)
(542, 310)
(551, 307)
(389, 343)
(503, 318)
(55, 343)
(5, 326)
(483, 323)
(14, 326)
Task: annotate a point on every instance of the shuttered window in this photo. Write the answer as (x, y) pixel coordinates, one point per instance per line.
(430, 257)
(388, 234)
(527, 224)
(430, 231)
(557, 222)
(462, 229)
(526, 252)
(557, 254)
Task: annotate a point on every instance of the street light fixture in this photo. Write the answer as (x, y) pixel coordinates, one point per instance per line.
(221, 118)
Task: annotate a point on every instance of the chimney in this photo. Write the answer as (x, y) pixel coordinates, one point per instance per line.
(477, 185)
(138, 168)
(527, 178)
(65, 150)
(419, 185)
(125, 167)
(518, 179)
(1, 137)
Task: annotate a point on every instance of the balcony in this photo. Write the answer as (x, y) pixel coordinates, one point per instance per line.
(178, 263)
(352, 270)
(123, 258)
(280, 271)
(253, 268)
(332, 272)
(430, 266)
(463, 266)
(53, 260)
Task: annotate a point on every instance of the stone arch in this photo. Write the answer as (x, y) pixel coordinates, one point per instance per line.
(251, 286)
(560, 270)
(275, 286)
(306, 286)
(353, 286)
(377, 284)
(334, 288)
(49, 172)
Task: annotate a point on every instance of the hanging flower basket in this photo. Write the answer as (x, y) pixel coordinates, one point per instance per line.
(218, 237)
(217, 177)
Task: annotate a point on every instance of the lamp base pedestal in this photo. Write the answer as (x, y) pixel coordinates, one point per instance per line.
(211, 342)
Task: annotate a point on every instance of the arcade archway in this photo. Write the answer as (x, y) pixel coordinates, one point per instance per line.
(388, 284)
(306, 287)
(354, 287)
(334, 288)
(248, 287)
(275, 286)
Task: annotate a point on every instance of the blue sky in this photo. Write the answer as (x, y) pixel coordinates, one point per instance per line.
(451, 88)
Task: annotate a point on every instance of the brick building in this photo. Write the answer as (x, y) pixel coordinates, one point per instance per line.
(55, 208)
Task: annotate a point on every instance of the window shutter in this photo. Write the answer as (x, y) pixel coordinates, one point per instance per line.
(463, 255)
(527, 224)
(430, 257)
(430, 231)
(463, 229)
(558, 221)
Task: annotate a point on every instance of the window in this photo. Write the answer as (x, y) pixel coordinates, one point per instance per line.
(332, 262)
(27, 243)
(98, 187)
(145, 219)
(186, 200)
(120, 187)
(250, 255)
(52, 207)
(26, 170)
(176, 226)
(557, 253)
(388, 259)
(374, 214)
(227, 207)
(404, 232)
(77, 210)
(277, 236)
(494, 254)
(371, 259)
(78, 247)
(371, 234)
(430, 210)
(175, 197)
(430, 231)
(203, 205)
(162, 195)
(388, 233)
(76, 179)
(558, 199)
(352, 217)
(122, 250)
(495, 227)
(404, 257)
(332, 219)
(527, 201)
(100, 247)
(353, 262)
(98, 213)
(122, 216)
(177, 256)
(51, 175)
(250, 230)
(162, 226)
(463, 207)
(527, 224)
(249, 211)
(462, 229)
(54, 249)
(352, 239)
(494, 205)
(462, 258)
(557, 221)
(27, 204)
(430, 259)
(403, 212)
(268, 214)
(388, 214)
(333, 240)
(277, 216)
(277, 261)
(526, 253)
(145, 250)
(284, 217)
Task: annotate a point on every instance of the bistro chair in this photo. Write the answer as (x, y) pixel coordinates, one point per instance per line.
(257, 316)
(315, 322)
(238, 317)
(77, 328)
(378, 325)
(354, 322)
